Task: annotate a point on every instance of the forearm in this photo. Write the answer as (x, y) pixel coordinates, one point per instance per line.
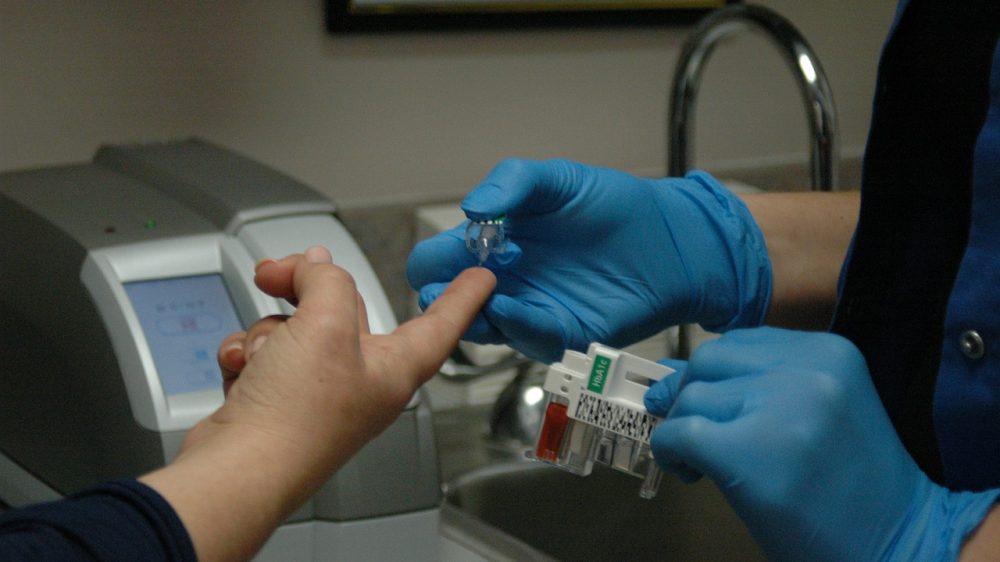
(235, 487)
(807, 236)
(229, 498)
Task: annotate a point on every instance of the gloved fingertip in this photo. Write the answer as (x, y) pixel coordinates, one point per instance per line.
(485, 202)
(660, 397)
(655, 401)
(415, 266)
(430, 293)
(507, 258)
(438, 258)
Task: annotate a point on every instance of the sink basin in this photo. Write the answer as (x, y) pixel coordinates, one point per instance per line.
(502, 506)
(538, 512)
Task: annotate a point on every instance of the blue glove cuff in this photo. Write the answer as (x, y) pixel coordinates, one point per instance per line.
(938, 523)
(747, 285)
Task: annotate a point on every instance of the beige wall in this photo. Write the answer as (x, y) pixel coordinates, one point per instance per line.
(408, 117)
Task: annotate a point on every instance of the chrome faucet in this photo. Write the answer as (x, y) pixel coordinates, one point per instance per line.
(824, 156)
(725, 22)
(515, 414)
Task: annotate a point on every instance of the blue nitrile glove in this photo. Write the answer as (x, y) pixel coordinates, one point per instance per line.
(790, 428)
(599, 255)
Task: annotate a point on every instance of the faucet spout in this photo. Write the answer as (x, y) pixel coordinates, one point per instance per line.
(820, 113)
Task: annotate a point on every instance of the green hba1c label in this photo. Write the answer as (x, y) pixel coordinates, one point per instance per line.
(599, 374)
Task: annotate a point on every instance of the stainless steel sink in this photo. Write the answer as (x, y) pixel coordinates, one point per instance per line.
(521, 510)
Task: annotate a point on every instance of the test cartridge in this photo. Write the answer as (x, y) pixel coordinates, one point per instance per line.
(594, 412)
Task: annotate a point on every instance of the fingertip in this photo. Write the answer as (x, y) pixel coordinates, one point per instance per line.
(429, 294)
(660, 397)
(657, 400)
(234, 339)
(318, 255)
(476, 278)
(507, 258)
(263, 264)
(469, 290)
(478, 275)
(231, 354)
(274, 277)
(453, 308)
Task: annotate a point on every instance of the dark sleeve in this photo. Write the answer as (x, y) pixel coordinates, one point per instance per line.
(118, 520)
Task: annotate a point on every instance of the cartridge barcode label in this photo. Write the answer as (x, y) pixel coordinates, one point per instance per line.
(594, 410)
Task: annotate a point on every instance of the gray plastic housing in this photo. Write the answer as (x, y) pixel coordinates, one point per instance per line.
(73, 406)
(65, 413)
(225, 188)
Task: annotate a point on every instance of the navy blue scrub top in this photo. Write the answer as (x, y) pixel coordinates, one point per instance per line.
(117, 520)
(920, 290)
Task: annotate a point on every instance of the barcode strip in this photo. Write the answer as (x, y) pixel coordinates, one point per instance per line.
(631, 423)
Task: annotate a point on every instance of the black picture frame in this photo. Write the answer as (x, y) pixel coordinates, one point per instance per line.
(367, 16)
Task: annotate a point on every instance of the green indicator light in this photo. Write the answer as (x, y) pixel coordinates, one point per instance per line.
(150, 224)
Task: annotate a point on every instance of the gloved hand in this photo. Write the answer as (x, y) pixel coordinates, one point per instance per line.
(599, 255)
(790, 428)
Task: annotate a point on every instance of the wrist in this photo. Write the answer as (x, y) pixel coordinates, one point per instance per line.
(727, 257)
(233, 483)
(807, 236)
(983, 543)
(295, 458)
(938, 523)
(251, 457)
(230, 487)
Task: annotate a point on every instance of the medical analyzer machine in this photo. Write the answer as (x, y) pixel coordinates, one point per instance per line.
(120, 278)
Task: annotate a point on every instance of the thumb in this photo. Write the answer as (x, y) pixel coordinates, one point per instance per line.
(520, 187)
(660, 397)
